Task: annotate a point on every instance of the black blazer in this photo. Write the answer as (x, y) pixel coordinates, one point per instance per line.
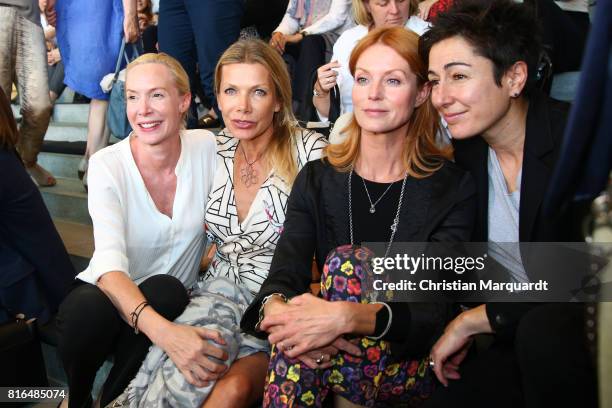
(439, 207)
(35, 270)
(546, 120)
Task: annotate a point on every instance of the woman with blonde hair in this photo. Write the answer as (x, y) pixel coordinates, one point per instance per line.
(258, 156)
(369, 15)
(147, 199)
(387, 182)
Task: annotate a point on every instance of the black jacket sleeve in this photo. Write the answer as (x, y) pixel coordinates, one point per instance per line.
(290, 271)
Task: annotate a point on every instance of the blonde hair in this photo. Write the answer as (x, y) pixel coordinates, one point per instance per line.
(363, 17)
(280, 152)
(181, 80)
(422, 156)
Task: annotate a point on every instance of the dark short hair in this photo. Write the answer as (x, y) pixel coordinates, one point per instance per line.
(502, 31)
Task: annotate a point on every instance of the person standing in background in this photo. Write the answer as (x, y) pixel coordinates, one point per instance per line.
(196, 32)
(23, 56)
(90, 52)
(55, 67)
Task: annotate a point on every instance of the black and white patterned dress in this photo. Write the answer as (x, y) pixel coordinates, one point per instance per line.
(245, 249)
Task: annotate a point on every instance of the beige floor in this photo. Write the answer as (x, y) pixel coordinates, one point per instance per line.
(78, 238)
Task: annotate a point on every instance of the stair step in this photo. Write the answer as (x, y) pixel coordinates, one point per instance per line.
(67, 200)
(60, 164)
(67, 131)
(63, 112)
(78, 238)
(71, 112)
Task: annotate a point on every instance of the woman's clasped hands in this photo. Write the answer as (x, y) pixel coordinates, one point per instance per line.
(309, 329)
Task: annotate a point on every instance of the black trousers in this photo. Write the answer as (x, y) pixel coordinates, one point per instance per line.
(303, 59)
(196, 33)
(547, 366)
(91, 329)
(265, 15)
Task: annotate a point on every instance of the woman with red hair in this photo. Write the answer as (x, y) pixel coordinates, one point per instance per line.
(376, 186)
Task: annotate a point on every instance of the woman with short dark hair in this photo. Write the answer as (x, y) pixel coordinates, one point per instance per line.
(483, 58)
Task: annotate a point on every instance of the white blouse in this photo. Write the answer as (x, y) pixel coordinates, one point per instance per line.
(245, 249)
(130, 233)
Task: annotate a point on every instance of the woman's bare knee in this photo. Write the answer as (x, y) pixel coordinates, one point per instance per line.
(242, 385)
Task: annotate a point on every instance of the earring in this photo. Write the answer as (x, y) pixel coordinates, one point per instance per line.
(515, 95)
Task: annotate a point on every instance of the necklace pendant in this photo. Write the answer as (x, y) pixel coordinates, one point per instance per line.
(394, 225)
(248, 175)
(372, 209)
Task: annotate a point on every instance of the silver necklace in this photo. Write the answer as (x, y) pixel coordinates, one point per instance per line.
(373, 205)
(248, 174)
(395, 222)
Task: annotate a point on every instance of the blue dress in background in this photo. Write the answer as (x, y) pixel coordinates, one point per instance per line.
(89, 34)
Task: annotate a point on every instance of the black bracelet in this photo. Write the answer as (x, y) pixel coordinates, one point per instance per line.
(136, 314)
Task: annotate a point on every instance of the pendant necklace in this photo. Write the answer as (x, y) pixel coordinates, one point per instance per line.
(248, 174)
(395, 222)
(373, 204)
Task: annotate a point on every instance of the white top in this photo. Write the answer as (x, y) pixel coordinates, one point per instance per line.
(574, 5)
(244, 250)
(338, 19)
(130, 233)
(342, 53)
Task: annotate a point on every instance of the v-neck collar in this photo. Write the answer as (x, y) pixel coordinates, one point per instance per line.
(177, 171)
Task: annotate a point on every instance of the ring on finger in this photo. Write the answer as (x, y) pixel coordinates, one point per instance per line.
(431, 362)
(320, 359)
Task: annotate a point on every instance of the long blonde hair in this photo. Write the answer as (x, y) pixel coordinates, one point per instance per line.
(280, 151)
(422, 156)
(363, 17)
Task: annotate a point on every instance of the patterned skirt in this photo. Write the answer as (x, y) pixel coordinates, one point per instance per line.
(374, 379)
